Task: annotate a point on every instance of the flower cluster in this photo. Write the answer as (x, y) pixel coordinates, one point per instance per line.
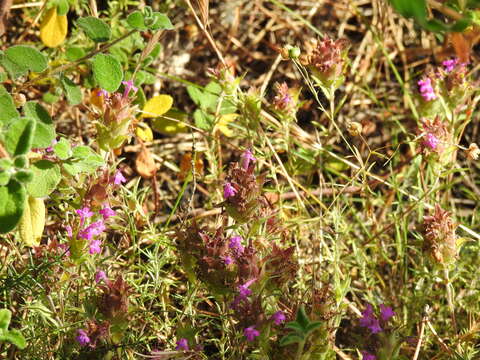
(235, 267)
(375, 324)
(326, 58)
(285, 99)
(93, 333)
(117, 116)
(435, 135)
(242, 190)
(440, 240)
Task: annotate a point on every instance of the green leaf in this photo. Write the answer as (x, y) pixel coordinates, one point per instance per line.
(4, 177)
(96, 29)
(136, 20)
(15, 337)
(3, 76)
(107, 71)
(85, 160)
(13, 70)
(46, 178)
(9, 111)
(23, 176)
(411, 8)
(20, 161)
(62, 149)
(295, 326)
(291, 339)
(5, 317)
(19, 136)
(12, 204)
(45, 129)
(27, 58)
(202, 120)
(74, 53)
(62, 7)
(302, 318)
(72, 91)
(160, 22)
(312, 326)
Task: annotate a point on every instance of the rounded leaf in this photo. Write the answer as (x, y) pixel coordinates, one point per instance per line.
(27, 58)
(107, 71)
(19, 136)
(173, 122)
(33, 222)
(44, 129)
(12, 204)
(53, 29)
(157, 106)
(136, 20)
(45, 180)
(96, 29)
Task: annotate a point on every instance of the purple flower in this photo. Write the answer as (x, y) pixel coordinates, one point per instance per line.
(95, 247)
(449, 65)
(100, 276)
(244, 290)
(119, 178)
(182, 344)
(84, 213)
(386, 312)
(251, 333)
(367, 316)
(92, 230)
(82, 337)
(246, 158)
(431, 141)
(369, 320)
(103, 92)
(375, 327)
(278, 317)
(107, 212)
(367, 356)
(236, 245)
(228, 191)
(128, 86)
(426, 89)
(228, 260)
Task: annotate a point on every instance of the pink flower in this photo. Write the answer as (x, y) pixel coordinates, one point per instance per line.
(278, 317)
(128, 86)
(100, 276)
(431, 141)
(228, 191)
(251, 333)
(246, 158)
(426, 89)
(95, 247)
(107, 212)
(84, 213)
(182, 344)
(449, 65)
(119, 178)
(82, 337)
(103, 92)
(68, 228)
(367, 356)
(386, 312)
(94, 229)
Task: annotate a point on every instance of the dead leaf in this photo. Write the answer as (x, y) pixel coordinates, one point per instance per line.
(145, 163)
(186, 166)
(53, 29)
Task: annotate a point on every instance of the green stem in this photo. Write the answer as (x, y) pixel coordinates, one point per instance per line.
(301, 345)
